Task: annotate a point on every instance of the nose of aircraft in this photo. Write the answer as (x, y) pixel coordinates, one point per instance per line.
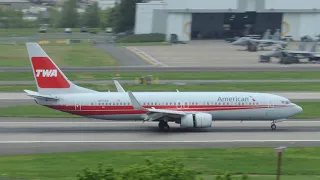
(236, 42)
(298, 109)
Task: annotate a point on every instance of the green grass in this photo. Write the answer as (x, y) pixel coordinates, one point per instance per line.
(83, 54)
(18, 32)
(32, 31)
(252, 87)
(21, 76)
(299, 163)
(310, 111)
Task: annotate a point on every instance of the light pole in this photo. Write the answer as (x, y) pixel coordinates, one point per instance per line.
(279, 150)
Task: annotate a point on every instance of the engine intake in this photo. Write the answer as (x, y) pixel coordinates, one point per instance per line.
(198, 120)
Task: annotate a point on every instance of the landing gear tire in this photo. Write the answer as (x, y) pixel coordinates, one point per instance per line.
(163, 126)
(273, 127)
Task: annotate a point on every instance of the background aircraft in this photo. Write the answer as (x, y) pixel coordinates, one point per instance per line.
(189, 109)
(254, 44)
(293, 56)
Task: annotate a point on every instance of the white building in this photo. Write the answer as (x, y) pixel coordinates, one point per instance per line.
(219, 19)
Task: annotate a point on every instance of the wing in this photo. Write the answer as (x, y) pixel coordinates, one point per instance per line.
(40, 96)
(153, 114)
(118, 86)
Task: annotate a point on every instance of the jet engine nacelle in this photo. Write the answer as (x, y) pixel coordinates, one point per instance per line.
(198, 120)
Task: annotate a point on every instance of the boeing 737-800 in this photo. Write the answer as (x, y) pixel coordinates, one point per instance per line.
(189, 109)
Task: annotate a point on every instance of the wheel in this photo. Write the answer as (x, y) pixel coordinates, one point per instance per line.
(273, 126)
(164, 126)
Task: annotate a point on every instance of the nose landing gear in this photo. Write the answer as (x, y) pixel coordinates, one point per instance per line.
(273, 126)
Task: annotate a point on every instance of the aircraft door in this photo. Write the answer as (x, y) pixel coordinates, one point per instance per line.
(270, 104)
(77, 104)
(270, 111)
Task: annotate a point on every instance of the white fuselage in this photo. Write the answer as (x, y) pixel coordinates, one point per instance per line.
(221, 105)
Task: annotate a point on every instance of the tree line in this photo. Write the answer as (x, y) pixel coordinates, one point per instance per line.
(121, 17)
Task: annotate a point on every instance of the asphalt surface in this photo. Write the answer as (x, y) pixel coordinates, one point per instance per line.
(25, 136)
(172, 81)
(150, 68)
(123, 55)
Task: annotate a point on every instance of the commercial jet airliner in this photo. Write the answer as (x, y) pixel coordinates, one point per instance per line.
(189, 109)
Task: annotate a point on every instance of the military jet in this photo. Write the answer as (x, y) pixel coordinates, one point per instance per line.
(254, 44)
(292, 56)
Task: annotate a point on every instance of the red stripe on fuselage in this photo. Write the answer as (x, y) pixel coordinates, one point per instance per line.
(123, 110)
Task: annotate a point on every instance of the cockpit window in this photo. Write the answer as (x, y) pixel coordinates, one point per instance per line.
(285, 102)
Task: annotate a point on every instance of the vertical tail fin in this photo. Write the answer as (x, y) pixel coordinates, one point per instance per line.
(302, 46)
(266, 35)
(276, 35)
(314, 47)
(49, 78)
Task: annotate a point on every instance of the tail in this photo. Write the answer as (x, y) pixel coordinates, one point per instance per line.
(266, 35)
(302, 46)
(276, 35)
(49, 78)
(314, 47)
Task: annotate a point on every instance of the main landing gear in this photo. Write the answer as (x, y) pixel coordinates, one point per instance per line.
(273, 126)
(163, 125)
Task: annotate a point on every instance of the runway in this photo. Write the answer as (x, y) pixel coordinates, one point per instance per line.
(45, 135)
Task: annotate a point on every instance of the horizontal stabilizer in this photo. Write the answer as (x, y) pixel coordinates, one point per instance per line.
(40, 96)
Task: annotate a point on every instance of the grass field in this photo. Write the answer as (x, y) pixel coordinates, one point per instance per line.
(310, 111)
(298, 163)
(252, 87)
(22, 76)
(32, 31)
(82, 54)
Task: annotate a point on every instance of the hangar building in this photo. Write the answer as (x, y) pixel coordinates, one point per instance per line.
(215, 19)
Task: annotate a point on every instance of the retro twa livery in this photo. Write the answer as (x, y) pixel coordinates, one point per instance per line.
(189, 109)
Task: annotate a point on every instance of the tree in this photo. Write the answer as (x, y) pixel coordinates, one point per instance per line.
(92, 16)
(126, 17)
(69, 14)
(54, 17)
(114, 16)
(104, 18)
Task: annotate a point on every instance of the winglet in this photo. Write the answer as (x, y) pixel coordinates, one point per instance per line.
(134, 102)
(118, 86)
(177, 90)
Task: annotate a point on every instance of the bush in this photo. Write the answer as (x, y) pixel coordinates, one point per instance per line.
(160, 170)
(139, 38)
(228, 176)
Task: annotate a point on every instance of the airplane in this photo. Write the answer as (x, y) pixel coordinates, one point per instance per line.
(189, 109)
(254, 44)
(293, 56)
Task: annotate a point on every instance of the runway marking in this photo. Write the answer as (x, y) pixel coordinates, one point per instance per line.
(143, 55)
(209, 141)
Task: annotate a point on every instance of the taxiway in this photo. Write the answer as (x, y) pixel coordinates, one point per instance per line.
(46, 135)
